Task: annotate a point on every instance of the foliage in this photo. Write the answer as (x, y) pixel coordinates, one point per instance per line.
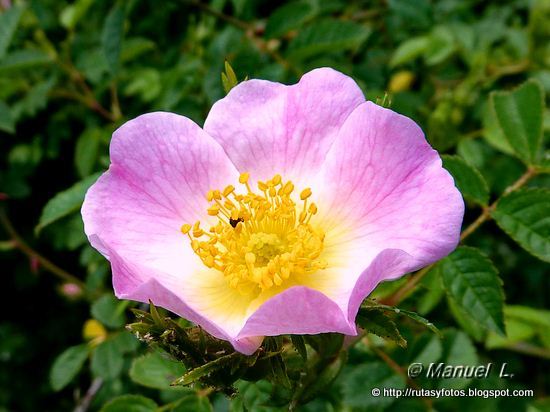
(475, 75)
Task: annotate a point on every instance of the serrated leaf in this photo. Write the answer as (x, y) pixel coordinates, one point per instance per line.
(467, 178)
(412, 315)
(519, 115)
(327, 36)
(155, 370)
(492, 132)
(287, 17)
(67, 365)
(409, 50)
(7, 122)
(525, 216)
(65, 202)
(471, 280)
(111, 37)
(8, 23)
(109, 311)
(107, 360)
(465, 321)
(376, 322)
(130, 403)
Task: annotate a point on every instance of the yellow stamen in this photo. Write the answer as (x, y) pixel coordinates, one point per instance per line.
(260, 240)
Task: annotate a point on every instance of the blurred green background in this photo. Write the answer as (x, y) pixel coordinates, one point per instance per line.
(71, 72)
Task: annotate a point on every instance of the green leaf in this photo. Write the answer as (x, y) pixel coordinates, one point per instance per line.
(107, 360)
(65, 202)
(516, 331)
(23, 59)
(434, 292)
(441, 45)
(111, 37)
(288, 17)
(134, 47)
(519, 115)
(358, 383)
(8, 23)
(412, 315)
(467, 178)
(426, 349)
(327, 36)
(465, 321)
(130, 403)
(471, 280)
(86, 151)
(155, 370)
(525, 216)
(492, 132)
(73, 13)
(409, 50)
(458, 350)
(193, 403)
(229, 78)
(67, 365)
(7, 122)
(109, 311)
(376, 322)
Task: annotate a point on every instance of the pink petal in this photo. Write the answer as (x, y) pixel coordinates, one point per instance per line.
(298, 310)
(162, 166)
(383, 188)
(268, 128)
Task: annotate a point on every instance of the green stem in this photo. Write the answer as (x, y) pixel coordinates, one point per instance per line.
(33, 254)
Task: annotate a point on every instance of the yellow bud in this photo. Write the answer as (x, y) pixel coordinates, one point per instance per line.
(93, 330)
(276, 180)
(401, 81)
(185, 228)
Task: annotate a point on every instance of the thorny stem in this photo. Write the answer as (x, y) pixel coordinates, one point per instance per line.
(485, 215)
(33, 254)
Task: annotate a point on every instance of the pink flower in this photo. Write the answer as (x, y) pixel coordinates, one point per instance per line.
(307, 197)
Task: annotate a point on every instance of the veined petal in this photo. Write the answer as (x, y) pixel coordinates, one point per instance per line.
(162, 166)
(268, 128)
(384, 196)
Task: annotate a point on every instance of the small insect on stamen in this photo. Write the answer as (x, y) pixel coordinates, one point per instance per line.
(234, 222)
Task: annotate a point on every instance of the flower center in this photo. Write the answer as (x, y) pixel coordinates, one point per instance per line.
(261, 239)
